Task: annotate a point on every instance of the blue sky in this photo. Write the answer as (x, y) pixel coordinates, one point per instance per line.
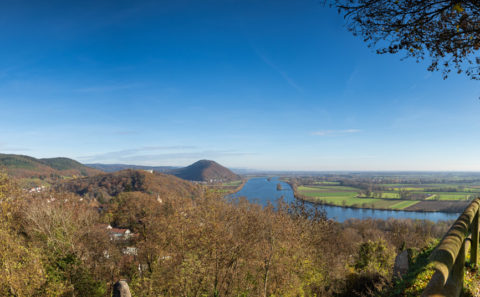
(277, 85)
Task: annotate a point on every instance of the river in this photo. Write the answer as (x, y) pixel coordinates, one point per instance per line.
(263, 190)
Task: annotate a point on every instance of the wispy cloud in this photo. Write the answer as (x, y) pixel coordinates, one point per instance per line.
(352, 77)
(282, 73)
(335, 132)
(193, 156)
(129, 153)
(158, 155)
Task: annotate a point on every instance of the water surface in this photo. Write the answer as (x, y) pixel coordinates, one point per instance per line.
(263, 190)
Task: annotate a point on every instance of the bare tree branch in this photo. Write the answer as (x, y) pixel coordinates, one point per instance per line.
(447, 32)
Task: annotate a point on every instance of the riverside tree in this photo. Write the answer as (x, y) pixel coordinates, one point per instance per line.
(446, 31)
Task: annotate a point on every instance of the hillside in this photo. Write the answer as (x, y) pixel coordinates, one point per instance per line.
(118, 167)
(25, 166)
(105, 186)
(206, 170)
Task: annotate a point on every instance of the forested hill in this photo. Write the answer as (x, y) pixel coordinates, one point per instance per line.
(26, 166)
(118, 167)
(206, 170)
(105, 186)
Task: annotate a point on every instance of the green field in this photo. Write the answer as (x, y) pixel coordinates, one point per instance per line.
(452, 195)
(226, 188)
(358, 202)
(403, 204)
(417, 186)
(390, 195)
(350, 196)
(347, 196)
(317, 189)
(407, 188)
(329, 194)
(234, 183)
(327, 183)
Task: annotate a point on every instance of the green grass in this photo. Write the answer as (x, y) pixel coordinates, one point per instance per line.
(408, 188)
(420, 185)
(341, 195)
(349, 200)
(419, 274)
(357, 202)
(403, 204)
(235, 183)
(472, 189)
(330, 194)
(327, 183)
(390, 195)
(462, 188)
(451, 195)
(322, 189)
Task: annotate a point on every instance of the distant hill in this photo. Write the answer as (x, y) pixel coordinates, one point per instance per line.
(103, 187)
(118, 167)
(205, 170)
(26, 166)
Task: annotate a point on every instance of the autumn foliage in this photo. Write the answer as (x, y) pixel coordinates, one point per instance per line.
(56, 244)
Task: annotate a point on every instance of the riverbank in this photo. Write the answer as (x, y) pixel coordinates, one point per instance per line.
(239, 187)
(428, 206)
(229, 187)
(263, 191)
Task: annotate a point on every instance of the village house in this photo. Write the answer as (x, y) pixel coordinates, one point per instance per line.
(118, 233)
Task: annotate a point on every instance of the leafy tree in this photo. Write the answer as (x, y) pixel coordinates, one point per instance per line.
(72, 246)
(447, 31)
(374, 256)
(21, 273)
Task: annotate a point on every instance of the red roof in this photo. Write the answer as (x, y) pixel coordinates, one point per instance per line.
(118, 230)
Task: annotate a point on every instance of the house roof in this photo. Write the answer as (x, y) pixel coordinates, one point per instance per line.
(119, 230)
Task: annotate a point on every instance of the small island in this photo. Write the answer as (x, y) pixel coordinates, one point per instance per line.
(279, 187)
